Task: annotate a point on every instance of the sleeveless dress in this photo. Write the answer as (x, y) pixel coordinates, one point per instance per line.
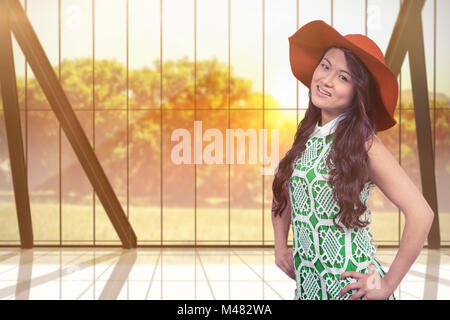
(322, 251)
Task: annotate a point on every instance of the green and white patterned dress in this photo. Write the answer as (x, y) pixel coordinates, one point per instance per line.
(322, 251)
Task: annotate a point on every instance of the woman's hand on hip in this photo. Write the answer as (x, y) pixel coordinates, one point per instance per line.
(369, 286)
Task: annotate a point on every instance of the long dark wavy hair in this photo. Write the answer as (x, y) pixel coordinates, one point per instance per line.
(348, 155)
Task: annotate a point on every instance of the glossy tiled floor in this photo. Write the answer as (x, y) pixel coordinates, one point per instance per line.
(170, 273)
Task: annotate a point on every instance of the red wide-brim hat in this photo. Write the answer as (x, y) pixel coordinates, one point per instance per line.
(307, 45)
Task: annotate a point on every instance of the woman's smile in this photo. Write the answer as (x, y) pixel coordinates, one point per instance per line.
(322, 93)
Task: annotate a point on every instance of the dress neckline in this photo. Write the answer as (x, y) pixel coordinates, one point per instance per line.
(327, 129)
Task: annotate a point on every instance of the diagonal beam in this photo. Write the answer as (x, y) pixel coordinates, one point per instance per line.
(402, 35)
(407, 36)
(423, 127)
(14, 133)
(42, 69)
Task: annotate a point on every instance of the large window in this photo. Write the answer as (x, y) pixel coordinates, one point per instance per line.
(137, 70)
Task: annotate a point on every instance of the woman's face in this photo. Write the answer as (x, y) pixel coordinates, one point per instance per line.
(332, 86)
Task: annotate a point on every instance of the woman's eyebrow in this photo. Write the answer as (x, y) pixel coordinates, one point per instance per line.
(339, 70)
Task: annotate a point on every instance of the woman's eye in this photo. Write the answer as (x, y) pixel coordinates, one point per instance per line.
(344, 78)
(324, 65)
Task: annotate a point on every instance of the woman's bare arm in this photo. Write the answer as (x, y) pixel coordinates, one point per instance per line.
(283, 255)
(281, 224)
(393, 181)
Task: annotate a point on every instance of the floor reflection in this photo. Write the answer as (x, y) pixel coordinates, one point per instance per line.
(175, 273)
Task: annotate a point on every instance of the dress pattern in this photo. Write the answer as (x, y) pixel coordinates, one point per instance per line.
(322, 251)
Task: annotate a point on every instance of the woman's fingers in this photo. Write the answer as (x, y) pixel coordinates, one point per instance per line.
(289, 273)
(287, 267)
(293, 274)
(290, 264)
(357, 295)
(351, 286)
(285, 262)
(352, 274)
(292, 267)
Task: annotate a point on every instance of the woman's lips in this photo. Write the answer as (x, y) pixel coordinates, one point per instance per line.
(320, 94)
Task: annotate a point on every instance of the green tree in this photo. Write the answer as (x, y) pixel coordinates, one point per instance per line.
(181, 88)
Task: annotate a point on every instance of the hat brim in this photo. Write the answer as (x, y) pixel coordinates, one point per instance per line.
(307, 45)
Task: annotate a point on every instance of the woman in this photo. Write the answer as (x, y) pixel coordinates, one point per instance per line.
(322, 184)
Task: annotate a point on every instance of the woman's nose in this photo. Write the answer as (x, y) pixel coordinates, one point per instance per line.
(328, 79)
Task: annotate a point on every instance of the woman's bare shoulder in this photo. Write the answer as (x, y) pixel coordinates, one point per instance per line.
(386, 172)
(370, 141)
